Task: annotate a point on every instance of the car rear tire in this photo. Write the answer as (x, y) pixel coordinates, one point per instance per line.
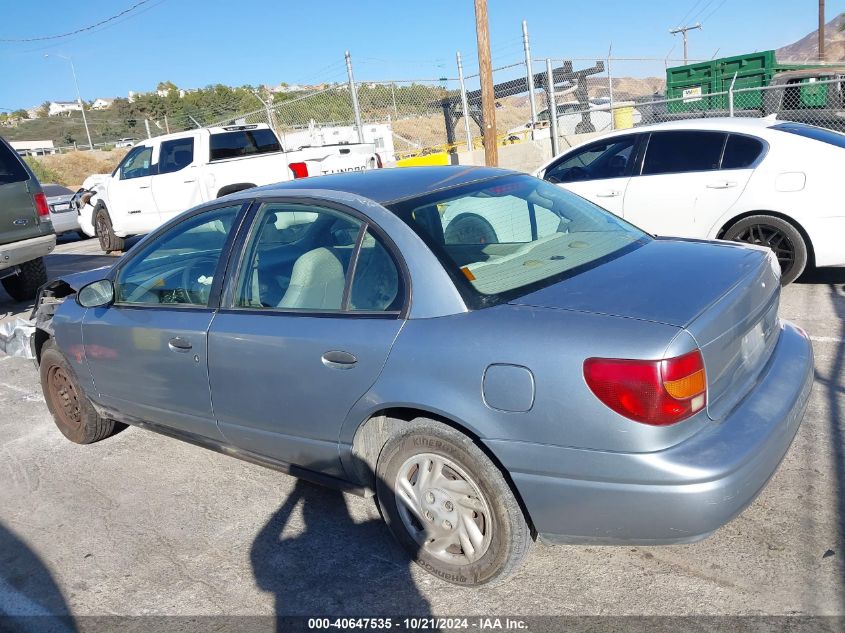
(105, 232)
(72, 411)
(24, 286)
(777, 234)
(449, 506)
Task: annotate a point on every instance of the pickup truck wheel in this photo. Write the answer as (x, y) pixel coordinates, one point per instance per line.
(779, 235)
(102, 224)
(24, 286)
(72, 412)
(449, 506)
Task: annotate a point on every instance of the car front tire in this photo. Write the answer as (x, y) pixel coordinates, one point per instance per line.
(777, 234)
(71, 409)
(449, 506)
(105, 232)
(24, 286)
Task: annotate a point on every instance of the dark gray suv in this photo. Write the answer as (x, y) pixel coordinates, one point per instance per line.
(26, 232)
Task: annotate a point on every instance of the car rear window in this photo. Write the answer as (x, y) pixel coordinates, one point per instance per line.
(504, 237)
(741, 152)
(11, 169)
(243, 143)
(816, 133)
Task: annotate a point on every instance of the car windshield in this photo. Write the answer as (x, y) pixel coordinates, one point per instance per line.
(503, 237)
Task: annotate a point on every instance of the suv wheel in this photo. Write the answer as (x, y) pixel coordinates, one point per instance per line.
(102, 225)
(24, 286)
(449, 506)
(72, 412)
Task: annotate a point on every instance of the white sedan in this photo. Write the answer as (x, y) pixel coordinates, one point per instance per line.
(761, 181)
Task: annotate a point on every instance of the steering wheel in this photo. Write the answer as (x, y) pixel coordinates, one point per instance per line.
(191, 290)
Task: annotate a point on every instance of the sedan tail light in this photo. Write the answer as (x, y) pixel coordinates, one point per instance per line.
(41, 206)
(300, 170)
(656, 392)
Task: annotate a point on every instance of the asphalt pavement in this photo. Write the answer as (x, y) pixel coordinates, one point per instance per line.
(141, 524)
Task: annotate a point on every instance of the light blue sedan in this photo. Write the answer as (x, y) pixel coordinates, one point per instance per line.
(495, 358)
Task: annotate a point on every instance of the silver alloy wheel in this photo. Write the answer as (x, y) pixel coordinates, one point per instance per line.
(443, 509)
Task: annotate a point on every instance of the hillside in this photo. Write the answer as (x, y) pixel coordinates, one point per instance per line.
(807, 48)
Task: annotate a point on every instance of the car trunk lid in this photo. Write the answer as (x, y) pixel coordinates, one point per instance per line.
(725, 295)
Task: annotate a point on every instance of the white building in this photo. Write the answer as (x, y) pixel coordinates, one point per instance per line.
(33, 148)
(101, 104)
(63, 108)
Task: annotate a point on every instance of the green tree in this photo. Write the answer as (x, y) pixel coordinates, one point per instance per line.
(21, 114)
(44, 110)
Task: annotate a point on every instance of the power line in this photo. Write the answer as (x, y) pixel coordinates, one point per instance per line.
(687, 14)
(77, 31)
(709, 15)
(700, 12)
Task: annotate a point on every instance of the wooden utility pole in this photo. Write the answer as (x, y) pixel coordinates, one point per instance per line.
(485, 71)
(683, 30)
(821, 30)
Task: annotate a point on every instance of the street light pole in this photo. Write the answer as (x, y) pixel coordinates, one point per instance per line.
(78, 98)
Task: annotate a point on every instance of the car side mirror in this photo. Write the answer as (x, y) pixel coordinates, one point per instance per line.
(97, 294)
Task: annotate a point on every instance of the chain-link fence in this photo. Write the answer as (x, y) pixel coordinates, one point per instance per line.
(415, 118)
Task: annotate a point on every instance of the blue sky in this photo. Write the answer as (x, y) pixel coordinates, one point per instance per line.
(198, 42)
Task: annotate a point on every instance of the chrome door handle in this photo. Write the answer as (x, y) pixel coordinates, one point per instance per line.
(725, 184)
(608, 194)
(179, 344)
(337, 359)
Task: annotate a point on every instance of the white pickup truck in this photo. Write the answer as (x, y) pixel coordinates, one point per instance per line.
(162, 177)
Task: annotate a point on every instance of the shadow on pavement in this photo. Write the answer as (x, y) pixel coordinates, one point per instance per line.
(30, 600)
(334, 566)
(823, 276)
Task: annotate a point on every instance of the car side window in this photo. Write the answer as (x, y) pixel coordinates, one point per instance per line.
(297, 258)
(741, 152)
(179, 266)
(175, 155)
(605, 159)
(137, 163)
(683, 151)
(376, 283)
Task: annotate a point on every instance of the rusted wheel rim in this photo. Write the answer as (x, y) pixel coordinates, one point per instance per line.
(64, 397)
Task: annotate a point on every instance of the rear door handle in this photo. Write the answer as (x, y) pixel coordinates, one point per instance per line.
(724, 184)
(143, 187)
(608, 194)
(179, 344)
(337, 359)
(185, 182)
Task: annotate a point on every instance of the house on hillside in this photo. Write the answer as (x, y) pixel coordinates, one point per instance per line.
(63, 108)
(102, 104)
(33, 148)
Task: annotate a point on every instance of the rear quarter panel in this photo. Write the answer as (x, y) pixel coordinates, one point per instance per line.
(437, 365)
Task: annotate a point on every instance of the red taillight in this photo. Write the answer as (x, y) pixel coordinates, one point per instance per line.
(660, 392)
(300, 170)
(379, 164)
(41, 206)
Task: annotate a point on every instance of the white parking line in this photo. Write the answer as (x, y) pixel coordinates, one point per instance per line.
(827, 339)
